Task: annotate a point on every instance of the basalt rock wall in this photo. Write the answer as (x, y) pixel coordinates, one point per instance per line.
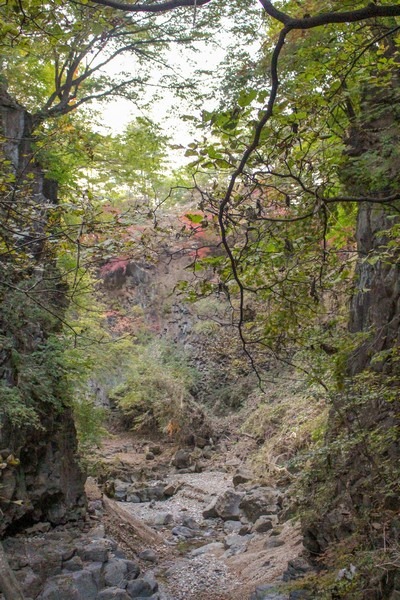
(40, 478)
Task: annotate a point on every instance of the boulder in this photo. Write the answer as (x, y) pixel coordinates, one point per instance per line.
(74, 586)
(258, 501)
(182, 459)
(207, 549)
(190, 522)
(182, 531)
(172, 488)
(265, 523)
(242, 476)
(297, 568)
(210, 511)
(227, 505)
(162, 518)
(115, 572)
(97, 550)
(268, 592)
(236, 544)
(148, 555)
(139, 589)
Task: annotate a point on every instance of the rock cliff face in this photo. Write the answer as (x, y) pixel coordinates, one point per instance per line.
(40, 478)
(361, 475)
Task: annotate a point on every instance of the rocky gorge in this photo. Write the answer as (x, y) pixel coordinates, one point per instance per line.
(169, 525)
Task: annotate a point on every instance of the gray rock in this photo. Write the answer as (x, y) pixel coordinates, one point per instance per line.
(182, 459)
(75, 586)
(227, 505)
(236, 543)
(257, 502)
(120, 489)
(96, 569)
(149, 456)
(38, 528)
(113, 593)
(133, 569)
(210, 511)
(190, 522)
(268, 592)
(208, 548)
(264, 523)
(297, 568)
(163, 518)
(115, 572)
(274, 543)
(242, 476)
(74, 564)
(151, 580)
(132, 497)
(172, 488)
(139, 589)
(182, 531)
(148, 555)
(232, 526)
(29, 581)
(97, 550)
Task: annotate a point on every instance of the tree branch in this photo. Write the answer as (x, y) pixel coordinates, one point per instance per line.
(151, 8)
(352, 16)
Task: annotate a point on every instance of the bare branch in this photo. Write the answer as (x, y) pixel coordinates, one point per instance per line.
(151, 8)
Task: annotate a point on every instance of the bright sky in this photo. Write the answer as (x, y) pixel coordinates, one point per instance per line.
(166, 110)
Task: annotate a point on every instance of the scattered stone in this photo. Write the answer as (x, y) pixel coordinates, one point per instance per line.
(73, 564)
(97, 550)
(207, 549)
(139, 589)
(151, 580)
(265, 523)
(242, 476)
(267, 592)
(38, 528)
(155, 449)
(172, 488)
(113, 593)
(236, 543)
(232, 526)
(190, 522)
(133, 569)
(227, 505)
(96, 569)
(297, 568)
(115, 572)
(182, 459)
(201, 442)
(30, 582)
(150, 456)
(131, 497)
(274, 543)
(210, 511)
(182, 531)
(70, 587)
(162, 519)
(148, 555)
(257, 502)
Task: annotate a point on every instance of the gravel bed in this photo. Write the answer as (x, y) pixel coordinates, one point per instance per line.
(196, 492)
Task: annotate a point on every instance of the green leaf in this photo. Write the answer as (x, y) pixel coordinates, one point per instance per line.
(246, 98)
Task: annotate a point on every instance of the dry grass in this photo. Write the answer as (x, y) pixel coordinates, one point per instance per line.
(287, 420)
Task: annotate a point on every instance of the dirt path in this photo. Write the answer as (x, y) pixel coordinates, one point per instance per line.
(193, 557)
